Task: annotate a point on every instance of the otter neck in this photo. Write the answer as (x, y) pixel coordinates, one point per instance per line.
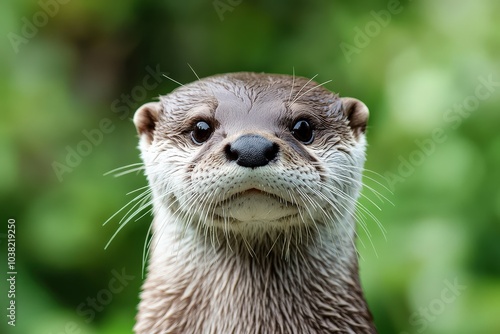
(230, 285)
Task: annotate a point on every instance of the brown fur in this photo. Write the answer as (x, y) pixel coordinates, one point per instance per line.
(216, 274)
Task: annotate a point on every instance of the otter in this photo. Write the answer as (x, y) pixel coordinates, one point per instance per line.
(254, 181)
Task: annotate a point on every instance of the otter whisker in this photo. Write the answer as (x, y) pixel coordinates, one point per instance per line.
(310, 89)
(142, 206)
(360, 206)
(332, 204)
(157, 234)
(145, 249)
(173, 80)
(305, 196)
(336, 191)
(361, 219)
(192, 69)
(381, 176)
(274, 243)
(375, 192)
(307, 83)
(347, 178)
(136, 190)
(302, 219)
(123, 207)
(248, 246)
(135, 165)
(138, 169)
(292, 86)
(150, 211)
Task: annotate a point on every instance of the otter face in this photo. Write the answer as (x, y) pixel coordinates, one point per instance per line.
(247, 152)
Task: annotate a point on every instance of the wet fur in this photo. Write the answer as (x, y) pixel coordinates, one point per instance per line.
(210, 273)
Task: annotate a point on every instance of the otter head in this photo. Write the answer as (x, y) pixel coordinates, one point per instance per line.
(253, 153)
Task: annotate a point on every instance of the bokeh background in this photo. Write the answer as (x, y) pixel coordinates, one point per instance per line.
(428, 70)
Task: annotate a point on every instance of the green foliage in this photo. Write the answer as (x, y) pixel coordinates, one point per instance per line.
(434, 143)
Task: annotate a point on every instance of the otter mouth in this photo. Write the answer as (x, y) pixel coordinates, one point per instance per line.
(250, 192)
(255, 192)
(254, 205)
(223, 220)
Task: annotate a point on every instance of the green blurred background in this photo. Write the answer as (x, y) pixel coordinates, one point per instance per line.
(434, 143)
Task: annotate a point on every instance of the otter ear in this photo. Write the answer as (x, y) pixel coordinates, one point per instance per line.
(145, 119)
(357, 114)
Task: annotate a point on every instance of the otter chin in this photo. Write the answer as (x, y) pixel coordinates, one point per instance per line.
(254, 181)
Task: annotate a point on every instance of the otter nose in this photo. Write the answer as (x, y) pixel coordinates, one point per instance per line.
(251, 151)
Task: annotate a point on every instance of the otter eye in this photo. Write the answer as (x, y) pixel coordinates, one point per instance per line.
(201, 132)
(303, 131)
